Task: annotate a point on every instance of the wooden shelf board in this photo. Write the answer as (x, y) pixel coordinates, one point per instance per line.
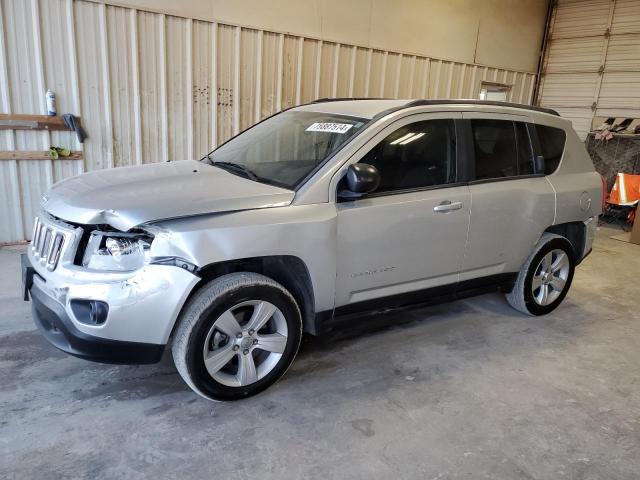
(36, 155)
(14, 121)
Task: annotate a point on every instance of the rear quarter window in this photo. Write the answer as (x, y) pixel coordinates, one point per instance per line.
(552, 141)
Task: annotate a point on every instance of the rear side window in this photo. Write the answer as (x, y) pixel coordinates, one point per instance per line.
(502, 149)
(495, 147)
(552, 142)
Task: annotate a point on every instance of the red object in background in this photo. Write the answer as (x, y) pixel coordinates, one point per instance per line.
(626, 193)
(626, 190)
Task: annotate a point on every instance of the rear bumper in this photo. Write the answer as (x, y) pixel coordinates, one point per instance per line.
(51, 318)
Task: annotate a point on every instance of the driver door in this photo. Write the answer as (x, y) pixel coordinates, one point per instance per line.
(406, 240)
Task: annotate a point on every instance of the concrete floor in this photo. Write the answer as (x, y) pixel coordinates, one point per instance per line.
(470, 389)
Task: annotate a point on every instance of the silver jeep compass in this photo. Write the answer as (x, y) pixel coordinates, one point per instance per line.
(303, 222)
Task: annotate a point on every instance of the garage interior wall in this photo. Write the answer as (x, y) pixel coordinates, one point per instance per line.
(150, 86)
(592, 61)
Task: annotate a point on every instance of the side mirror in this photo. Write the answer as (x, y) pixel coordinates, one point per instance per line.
(360, 179)
(539, 164)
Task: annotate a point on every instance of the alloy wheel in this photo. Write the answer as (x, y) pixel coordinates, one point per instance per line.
(245, 343)
(550, 277)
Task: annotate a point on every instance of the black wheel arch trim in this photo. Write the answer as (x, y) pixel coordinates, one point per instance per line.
(289, 270)
(575, 233)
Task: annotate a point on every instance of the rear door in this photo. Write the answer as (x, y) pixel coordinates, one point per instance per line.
(511, 203)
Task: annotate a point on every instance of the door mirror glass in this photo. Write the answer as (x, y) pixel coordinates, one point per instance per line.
(361, 178)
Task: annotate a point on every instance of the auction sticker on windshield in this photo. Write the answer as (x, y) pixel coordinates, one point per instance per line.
(329, 127)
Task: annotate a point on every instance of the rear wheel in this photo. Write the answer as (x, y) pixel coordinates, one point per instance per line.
(545, 278)
(237, 336)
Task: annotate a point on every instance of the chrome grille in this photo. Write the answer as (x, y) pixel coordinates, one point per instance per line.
(47, 243)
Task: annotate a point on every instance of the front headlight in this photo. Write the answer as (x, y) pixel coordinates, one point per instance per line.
(113, 252)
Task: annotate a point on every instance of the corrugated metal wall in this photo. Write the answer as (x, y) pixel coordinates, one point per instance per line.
(592, 62)
(151, 87)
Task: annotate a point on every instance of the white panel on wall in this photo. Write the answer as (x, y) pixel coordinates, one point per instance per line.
(626, 17)
(623, 54)
(361, 72)
(94, 83)
(421, 80)
(25, 74)
(377, 75)
(151, 87)
(620, 92)
(288, 58)
(179, 87)
(11, 224)
(224, 80)
(328, 67)
(581, 18)
(249, 69)
(406, 77)
(569, 55)
(344, 79)
(269, 61)
(204, 94)
(391, 75)
(580, 85)
(123, 85)
(153, 90)
(310, 50)
(61, 75)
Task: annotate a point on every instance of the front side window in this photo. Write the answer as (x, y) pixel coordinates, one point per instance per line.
(418, 155)
(284, 149)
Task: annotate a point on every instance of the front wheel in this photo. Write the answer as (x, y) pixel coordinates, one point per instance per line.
(545, 278)
(237, 336)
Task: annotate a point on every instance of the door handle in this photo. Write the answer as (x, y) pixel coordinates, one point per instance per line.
(447, 206)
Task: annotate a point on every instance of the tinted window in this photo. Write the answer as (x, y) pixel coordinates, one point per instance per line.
(551, 145)
(525, 152)
(421, 154)
(495, 148)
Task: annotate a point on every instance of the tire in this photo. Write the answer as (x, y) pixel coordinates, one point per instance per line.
(206, 329)
(532, 301)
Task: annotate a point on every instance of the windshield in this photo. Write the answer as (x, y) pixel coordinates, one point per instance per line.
(284, 149)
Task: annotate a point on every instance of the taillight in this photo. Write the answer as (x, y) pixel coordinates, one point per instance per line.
(604, 193)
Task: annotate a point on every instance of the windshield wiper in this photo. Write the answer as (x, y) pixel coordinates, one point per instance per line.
(237, 168)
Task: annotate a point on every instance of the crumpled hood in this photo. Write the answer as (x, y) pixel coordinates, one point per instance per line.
(129, 196)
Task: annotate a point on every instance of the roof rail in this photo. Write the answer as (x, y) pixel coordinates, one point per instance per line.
(417, 103)
(346, 99)
(491, 103)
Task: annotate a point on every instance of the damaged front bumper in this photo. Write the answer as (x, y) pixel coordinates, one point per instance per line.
(142, 307)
